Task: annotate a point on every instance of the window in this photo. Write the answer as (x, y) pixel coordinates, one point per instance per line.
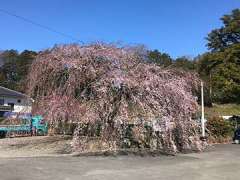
(2, 102)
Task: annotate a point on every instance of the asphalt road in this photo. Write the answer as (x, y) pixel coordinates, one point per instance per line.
(220, 163)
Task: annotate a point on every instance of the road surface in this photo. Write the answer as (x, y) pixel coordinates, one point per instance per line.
(219, 163)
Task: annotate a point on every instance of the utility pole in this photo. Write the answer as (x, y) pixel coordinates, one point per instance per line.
(202, 118)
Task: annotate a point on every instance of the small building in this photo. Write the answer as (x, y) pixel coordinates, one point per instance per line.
(13, 101)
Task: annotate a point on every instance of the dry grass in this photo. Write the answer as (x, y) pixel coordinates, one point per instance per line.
(35, 146)
(223, 110)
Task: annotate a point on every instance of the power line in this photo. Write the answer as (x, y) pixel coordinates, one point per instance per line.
(41, 25)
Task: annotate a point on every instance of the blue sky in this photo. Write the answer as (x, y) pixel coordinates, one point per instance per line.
(177, 27)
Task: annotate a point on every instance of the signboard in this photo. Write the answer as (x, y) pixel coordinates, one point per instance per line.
(5, 108)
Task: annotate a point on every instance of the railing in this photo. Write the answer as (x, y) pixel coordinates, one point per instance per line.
(5, 108)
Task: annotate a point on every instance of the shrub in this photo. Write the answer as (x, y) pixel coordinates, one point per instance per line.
(219, 129)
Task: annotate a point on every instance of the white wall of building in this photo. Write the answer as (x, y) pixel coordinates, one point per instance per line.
(20, 104)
